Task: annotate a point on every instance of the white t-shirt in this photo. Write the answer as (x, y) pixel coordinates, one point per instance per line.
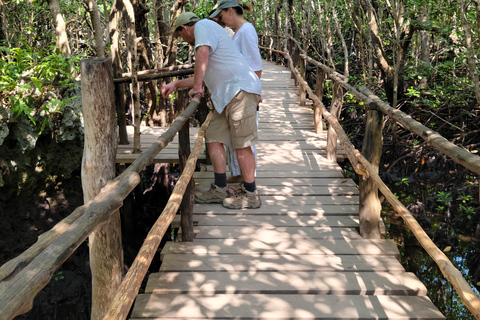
(246, 40)
(227, 72)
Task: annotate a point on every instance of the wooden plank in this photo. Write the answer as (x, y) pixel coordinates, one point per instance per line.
(283, 307)
(277, 209)
(293, 181)
(265, 233)
(160, 158)
(289, 202)
(276, 221)
(284, 175)
(279, 262)
(297, 246)
(286, 282)
(296, 190)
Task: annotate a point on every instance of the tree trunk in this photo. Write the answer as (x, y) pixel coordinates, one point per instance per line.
(477, 9)
(472, 66)
(114, 33)
(292, 20)
(60, 28)
(398, 11)
(132, 48)
(97, 27)
(171, 54)
(424, 50)
(3, 24)
(342, 39)
(161, 28)
(278, 9)
(355, 16)
(329, 42)
(144, 51)
(98, 168)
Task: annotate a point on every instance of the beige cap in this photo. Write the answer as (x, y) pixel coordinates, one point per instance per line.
(183, 19)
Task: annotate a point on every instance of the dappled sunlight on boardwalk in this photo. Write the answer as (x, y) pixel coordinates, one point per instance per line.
(300, 255)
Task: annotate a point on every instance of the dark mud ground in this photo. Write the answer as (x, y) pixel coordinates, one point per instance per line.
(68, 294)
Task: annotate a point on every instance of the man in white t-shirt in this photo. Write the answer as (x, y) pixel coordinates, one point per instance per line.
(235, 91)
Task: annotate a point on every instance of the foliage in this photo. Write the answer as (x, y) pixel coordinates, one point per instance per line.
(27, 79)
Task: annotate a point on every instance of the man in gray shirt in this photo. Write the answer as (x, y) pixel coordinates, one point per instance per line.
(235, 91)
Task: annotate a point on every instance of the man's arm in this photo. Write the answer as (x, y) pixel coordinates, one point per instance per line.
(201, 62)
(169, 88)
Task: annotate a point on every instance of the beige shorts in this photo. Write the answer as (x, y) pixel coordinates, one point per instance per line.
(237, 124)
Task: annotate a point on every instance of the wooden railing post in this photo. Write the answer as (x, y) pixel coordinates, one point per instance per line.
(302, 90)
(335, 109)
(319, 85)
(270, 43)
(294, 54)
(369, 203)
(278, 56)
(98, 168)
(186, 207)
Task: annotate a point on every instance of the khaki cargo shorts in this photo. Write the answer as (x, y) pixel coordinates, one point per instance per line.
(237, 124)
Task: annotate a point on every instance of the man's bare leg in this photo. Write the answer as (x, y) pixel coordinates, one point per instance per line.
(246, 160)
(217, 192)
(218, 157)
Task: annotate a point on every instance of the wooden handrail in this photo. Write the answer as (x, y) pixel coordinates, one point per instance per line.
(161, 70)
(128, 290)
(272, 35)
(363, 167)
(274, 50)
(154, 76)
(21, 277)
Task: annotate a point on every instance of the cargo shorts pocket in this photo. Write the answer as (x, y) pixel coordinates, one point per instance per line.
(244, 127)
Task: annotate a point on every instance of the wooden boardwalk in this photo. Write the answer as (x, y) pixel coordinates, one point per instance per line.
(297, 257)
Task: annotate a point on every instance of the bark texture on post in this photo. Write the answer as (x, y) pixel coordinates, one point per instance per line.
(319, 85)
(113, 23)
(99, 46)
(132, 48)
(60, 28)
(302, 93)
(369, 204)
(186, 207)
(335, 109)
(98, 168)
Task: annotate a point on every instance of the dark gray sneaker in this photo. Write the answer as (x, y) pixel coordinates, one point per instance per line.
(243, 199)
(214, 195)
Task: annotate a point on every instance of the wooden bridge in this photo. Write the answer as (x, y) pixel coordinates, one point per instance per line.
(300, 255)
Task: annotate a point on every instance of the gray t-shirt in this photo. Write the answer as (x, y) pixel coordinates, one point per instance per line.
(228, 72)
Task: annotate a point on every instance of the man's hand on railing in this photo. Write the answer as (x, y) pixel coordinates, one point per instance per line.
(194, 91)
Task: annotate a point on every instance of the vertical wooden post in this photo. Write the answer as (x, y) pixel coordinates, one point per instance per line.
(117, 70)
(295, 58)
(335, 109)
(369, 204)
(98, 168)
(186, 207)
(278, 55)
(319, 85)
(303, 72)
(270, 46)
